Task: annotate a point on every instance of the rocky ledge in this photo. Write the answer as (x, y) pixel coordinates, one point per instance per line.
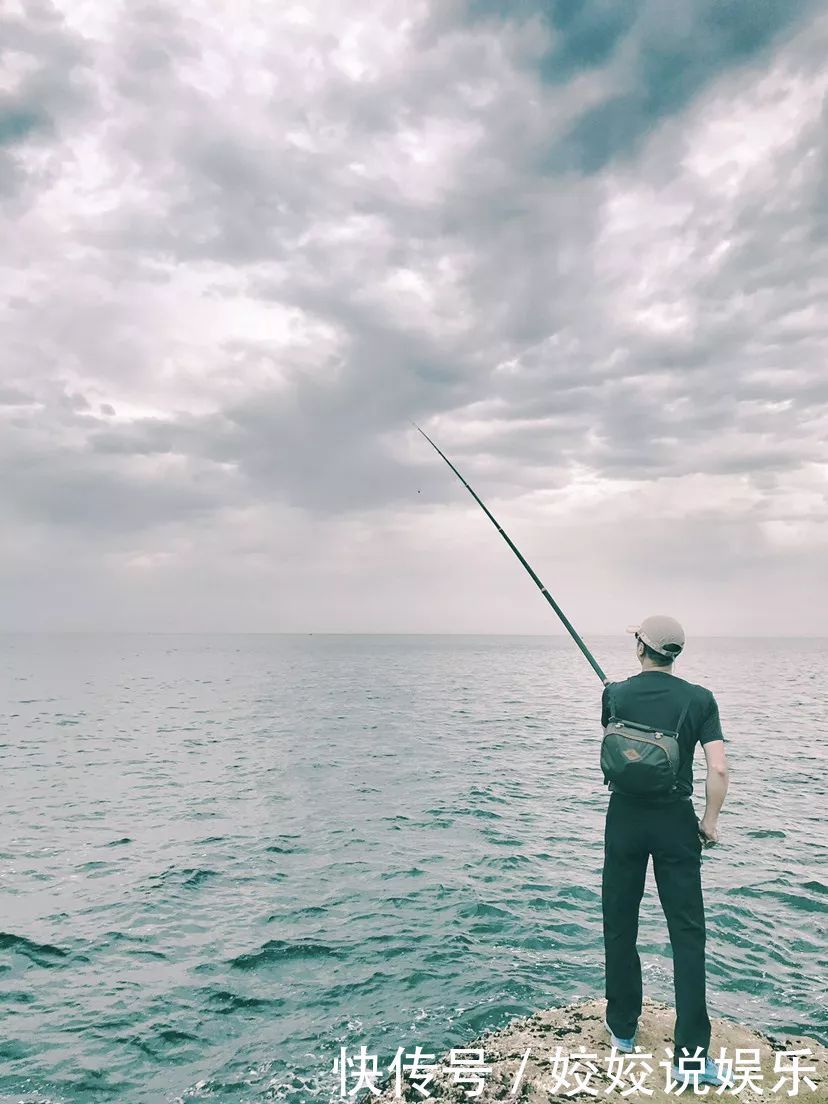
(569, 1058)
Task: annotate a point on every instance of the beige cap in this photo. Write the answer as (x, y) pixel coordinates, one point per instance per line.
(663, 634)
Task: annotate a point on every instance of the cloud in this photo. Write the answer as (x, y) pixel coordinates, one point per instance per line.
(583, 245)
(657, 59)
(45, 88)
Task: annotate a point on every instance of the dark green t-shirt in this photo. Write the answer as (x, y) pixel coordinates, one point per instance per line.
(657, 698)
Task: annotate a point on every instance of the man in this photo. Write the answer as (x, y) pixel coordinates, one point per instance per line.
(665, 827)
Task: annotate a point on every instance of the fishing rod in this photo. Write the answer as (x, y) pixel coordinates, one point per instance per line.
(566, 622)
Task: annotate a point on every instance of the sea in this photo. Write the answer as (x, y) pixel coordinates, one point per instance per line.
(229, 862)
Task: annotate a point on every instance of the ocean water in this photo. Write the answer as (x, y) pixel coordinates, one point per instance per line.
(225, 857)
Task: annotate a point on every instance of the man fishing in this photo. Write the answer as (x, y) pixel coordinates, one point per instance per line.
(664, 825)
(652, 723)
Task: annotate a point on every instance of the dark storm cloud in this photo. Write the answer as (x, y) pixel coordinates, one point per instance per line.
(317, 458)
(14, 396)
(93, 499)
(79, 492)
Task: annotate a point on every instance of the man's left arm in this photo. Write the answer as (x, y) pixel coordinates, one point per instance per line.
(605, 709)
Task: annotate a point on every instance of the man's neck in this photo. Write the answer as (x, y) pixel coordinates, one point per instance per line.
(648, 665)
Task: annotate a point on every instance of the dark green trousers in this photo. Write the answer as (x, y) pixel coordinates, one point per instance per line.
(632, 833)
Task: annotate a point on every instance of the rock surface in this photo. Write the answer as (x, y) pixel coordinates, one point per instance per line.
(579, 1029)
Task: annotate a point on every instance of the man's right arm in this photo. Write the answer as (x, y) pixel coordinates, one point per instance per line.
(712, 740)
(715, 788)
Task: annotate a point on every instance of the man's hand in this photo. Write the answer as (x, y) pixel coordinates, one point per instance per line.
(708, 832)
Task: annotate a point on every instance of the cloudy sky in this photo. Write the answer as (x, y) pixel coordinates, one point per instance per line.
(582, 243)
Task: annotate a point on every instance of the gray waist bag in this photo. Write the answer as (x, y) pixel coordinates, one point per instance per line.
(638, 759)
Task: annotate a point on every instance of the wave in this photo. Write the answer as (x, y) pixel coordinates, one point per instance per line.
(41, 954)
(281, 950)
(224, 1003)
(186, 877)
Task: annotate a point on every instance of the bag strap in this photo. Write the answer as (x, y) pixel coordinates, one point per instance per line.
(683, 714)
(612, 716)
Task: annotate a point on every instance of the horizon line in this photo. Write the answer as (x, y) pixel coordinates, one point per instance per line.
(371, 632)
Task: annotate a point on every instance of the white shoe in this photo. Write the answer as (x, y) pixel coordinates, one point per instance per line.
(710, 1075)
(626, 1046)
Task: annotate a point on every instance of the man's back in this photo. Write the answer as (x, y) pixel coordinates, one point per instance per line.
(657, 698)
